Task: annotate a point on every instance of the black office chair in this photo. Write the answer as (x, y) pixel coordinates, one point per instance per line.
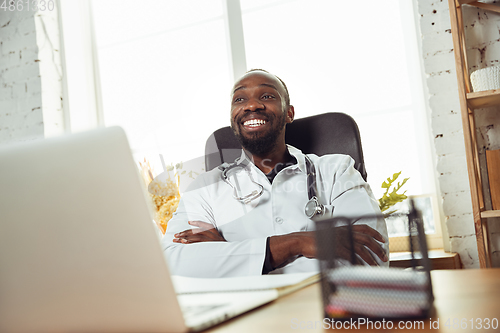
(327, 133)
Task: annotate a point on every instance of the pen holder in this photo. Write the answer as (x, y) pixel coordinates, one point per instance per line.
(353, 289)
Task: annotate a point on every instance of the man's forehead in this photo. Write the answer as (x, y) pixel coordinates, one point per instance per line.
(258, 78)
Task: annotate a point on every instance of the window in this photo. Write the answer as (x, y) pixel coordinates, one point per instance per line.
(163, 72)
(166, 73)
(362, 62)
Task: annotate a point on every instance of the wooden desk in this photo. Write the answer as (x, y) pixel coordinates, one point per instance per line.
(470, 294)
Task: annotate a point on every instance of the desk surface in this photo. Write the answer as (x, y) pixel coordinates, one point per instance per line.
(470, 294)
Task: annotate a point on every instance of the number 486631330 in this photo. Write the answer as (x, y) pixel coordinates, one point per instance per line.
(27, 5)
(472, 323)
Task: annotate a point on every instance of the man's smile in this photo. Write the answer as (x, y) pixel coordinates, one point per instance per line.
(252, 124)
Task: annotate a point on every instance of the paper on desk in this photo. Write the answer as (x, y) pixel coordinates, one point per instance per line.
(284, 283)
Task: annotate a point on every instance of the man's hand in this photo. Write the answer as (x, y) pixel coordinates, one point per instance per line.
(363, 238)
(284, 247)
(205, 232)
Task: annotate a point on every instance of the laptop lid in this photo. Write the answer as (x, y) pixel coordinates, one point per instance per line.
(78, 249)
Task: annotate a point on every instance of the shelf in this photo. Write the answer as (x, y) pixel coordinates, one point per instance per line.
(483, 99)
(490, 213)
(479, 4)
(487, 6)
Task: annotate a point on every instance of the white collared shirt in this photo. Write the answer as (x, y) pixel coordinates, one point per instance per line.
(279, 210)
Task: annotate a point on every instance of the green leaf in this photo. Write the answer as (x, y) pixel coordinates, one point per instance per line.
(392, 197)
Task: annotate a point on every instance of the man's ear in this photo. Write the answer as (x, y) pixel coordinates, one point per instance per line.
(290, 114)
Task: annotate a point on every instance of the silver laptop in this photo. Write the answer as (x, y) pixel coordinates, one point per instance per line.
(78, 248)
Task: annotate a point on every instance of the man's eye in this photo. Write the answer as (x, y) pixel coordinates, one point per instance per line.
(238, 99)
(268, 97)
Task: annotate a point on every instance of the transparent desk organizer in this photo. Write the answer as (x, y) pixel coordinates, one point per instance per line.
(352, 289)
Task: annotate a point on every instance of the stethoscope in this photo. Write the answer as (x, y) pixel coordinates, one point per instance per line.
(313, 206)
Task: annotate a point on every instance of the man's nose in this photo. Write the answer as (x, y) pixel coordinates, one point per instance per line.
(254, 104)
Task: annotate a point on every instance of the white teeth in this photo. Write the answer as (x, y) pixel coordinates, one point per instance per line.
(254, 122)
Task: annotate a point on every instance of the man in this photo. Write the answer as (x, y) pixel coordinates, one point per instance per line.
(253, 222)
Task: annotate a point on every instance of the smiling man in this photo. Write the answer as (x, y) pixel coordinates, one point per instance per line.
(247, 218)
(259, 123)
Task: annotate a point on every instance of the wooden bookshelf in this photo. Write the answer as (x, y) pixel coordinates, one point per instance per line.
(469, 101)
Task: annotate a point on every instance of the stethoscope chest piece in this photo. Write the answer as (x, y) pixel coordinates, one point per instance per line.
(314, 208)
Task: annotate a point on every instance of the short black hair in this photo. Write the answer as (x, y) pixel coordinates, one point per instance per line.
(287, 95)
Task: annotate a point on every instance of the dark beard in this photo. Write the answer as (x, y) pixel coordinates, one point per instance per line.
(261, 145)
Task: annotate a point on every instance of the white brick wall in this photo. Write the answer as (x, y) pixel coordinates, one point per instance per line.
(483, 40)
(20, 107)
(30, 75)
(47, 32)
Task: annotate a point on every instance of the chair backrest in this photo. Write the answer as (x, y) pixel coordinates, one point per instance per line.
(327, 133)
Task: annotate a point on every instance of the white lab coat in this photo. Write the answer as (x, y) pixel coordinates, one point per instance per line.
(280, 210)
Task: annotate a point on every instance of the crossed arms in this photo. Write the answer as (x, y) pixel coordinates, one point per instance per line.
(285, 247)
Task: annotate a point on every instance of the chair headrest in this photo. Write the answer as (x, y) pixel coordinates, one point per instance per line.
(328, 133)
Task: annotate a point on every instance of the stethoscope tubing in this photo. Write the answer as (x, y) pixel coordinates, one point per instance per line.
(317, 209)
